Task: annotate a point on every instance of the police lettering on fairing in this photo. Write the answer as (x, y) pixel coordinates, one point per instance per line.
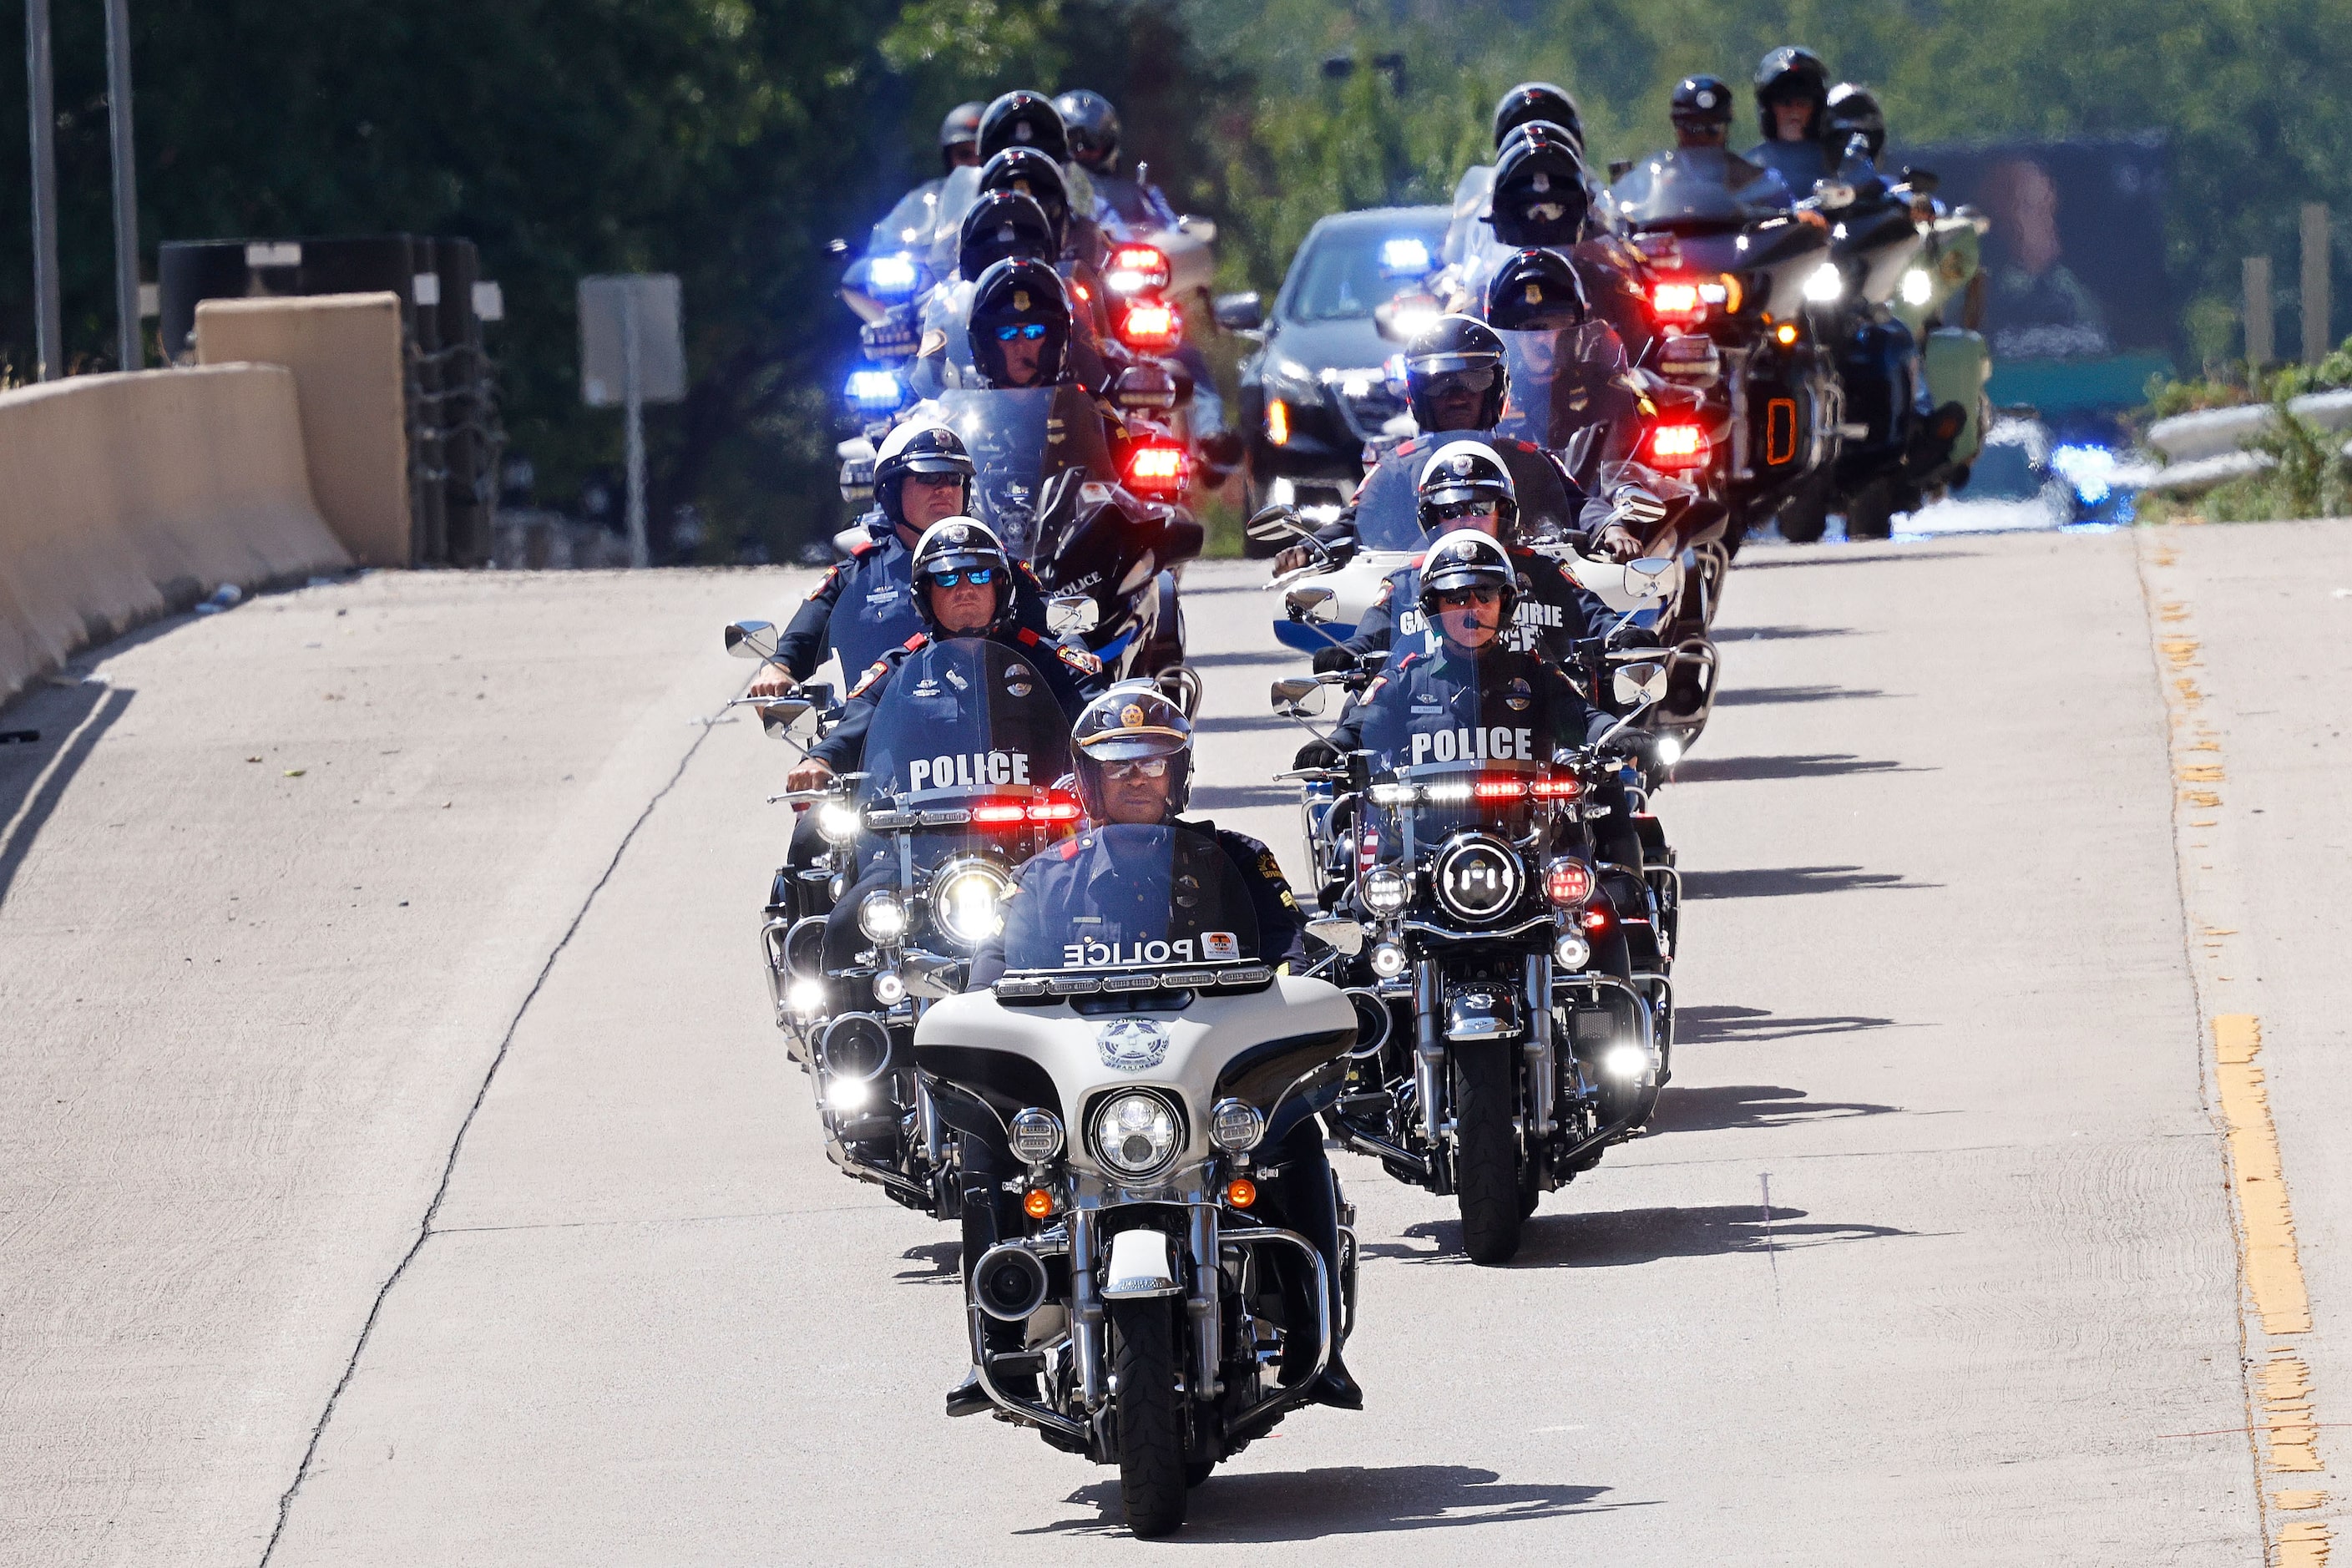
(967, 769)
(1495, 744)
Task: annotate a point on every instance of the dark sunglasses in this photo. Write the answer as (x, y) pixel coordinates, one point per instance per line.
(1033, 331)
(978, 576)
(1477, 380)
(1455, 510)
(1143, 768)
(1458, 598)
(937, 481)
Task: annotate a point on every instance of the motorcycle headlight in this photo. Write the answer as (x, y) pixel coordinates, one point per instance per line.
(968, 902)
(1386, 890)
(1917, 288)
(1826, 286)
(1135, 1132)
(1477, 876)
(882, 917)
(1235, 1126)
(839, 821)
(1036, 1135)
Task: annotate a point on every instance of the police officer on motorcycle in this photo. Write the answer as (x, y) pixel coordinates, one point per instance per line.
(959, 137)
(864, 606)
(1124, 203)
(1701, 112)
(1464, 486)
(1456, 381)
(1792, 91)
(1132, 748)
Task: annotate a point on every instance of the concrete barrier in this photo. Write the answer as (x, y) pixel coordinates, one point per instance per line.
(351, 378)
(126, 497)
(2215, 432)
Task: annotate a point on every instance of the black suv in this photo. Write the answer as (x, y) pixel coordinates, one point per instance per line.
(1319, 387)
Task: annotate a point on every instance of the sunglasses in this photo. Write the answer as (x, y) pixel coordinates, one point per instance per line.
(1455, 510)
(1477, 380)
(1461, 598)
(936, 481)
(1143, 768)
(1033, 331)
(978, 576)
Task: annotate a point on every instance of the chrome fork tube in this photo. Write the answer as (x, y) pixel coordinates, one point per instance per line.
(1207, 1298)
(927, 1117)
(1086, 1316)
(1543, 1062)
(1429, 1051)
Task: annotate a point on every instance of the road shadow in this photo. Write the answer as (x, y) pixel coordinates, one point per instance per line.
(1238, 724)
(1791, 881)
(1819, 765)
(1342, 1499)
(1841, 558)
(1780, 634)
(1628, 1237)
(1700, 1025)
(1724, 1108)
(1236, 797)
(1762, 696)
(1243, 656)
(935, 1263)
(35, 775)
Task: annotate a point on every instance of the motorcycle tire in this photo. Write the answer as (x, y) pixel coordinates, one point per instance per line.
(1805, 517)
(1148, 1419)
(1486, 1150)
(1871, 513)
(1197, 1471)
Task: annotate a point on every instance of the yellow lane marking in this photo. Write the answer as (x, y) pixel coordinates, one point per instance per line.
(2286, 1402)
(2295, 1502)
(2303, 1544)
(2273, 1270)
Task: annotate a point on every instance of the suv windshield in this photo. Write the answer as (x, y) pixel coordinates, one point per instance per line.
(1344, 274)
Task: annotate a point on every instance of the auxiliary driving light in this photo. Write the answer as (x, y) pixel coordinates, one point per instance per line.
(1669, 750)
(1235, 1126)
(1388, 961)
(882, 917)
(806, 998)
(1386, 890)
(839, 821)
(850, 1094)
(1625, 1061)
(1036, 1136)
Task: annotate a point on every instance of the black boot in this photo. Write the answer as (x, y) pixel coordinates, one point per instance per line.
(1336, 1388)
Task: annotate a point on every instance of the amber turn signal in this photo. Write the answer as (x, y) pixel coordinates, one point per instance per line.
(1241, 1191)
(1038, 1205)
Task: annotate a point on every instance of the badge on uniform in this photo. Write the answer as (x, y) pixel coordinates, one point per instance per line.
(1132, 1045)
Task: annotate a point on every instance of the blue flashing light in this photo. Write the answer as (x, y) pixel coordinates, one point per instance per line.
(889, 276)
(875, 391)
(1405, 257)
(2090, 469)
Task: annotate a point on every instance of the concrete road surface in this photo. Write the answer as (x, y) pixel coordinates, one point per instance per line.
(400, 1167)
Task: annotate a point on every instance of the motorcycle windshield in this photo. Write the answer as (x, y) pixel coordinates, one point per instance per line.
(1696, 188)
(966, 741)
(908, 226)
(1020, 437)
(1388, 511)
(1563, 382)
(1124, 897)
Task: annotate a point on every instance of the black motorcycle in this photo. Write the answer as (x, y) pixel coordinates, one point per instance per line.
(1508, 940)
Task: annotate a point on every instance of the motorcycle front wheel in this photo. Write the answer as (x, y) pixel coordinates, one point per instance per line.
(1486, 1150)
(1148, 1420)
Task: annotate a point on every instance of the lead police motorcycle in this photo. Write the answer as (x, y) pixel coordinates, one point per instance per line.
(1511, 945)
(1133, 1059)
(958, 787)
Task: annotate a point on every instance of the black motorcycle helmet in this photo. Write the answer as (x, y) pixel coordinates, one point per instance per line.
(1014, 296)
(916, 448)
(1466, 559)
(960, 128)
(960, 544)
(1701, 103)
(1001, 225)
(1455, 348)
(1465, 477)
(1037, 177)
(1853, 107)
(1539, 197)
(1787, 73)
(1023, 119)
(1536, 291)
(1092, 126)
(1536, 100)
(1132, 722)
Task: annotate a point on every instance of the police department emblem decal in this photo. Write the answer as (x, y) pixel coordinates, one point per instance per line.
(1516, 696)
(1132, 1045)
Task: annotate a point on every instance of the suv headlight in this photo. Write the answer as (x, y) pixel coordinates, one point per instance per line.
(882, 917)
(967, 901)
(1135, 1132)
(1386, 890)
(1036, 1135)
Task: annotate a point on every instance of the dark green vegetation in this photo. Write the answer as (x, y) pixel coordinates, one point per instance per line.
(727, 140)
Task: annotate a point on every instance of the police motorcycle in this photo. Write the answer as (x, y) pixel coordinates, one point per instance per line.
(1140, 1059)
(1511, 945)
(1087, 520)
(959, 787)
(1897, 443)
(1731, 272)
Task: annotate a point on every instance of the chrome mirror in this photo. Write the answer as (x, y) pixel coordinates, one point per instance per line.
(752, 639)
(1274, 522)
(1068, 613)
(1650, 577)
(1298, 696)
(1338, 930)
(1641, 683)
(1310, 604)
(780, 715)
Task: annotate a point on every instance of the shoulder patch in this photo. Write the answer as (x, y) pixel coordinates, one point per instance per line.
(831, 575)
(874, 672)
(1268, 867)
(1374, 688)
(1080, 660)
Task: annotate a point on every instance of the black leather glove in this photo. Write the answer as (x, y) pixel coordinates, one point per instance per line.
(1316, 754)
(1334, 658)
